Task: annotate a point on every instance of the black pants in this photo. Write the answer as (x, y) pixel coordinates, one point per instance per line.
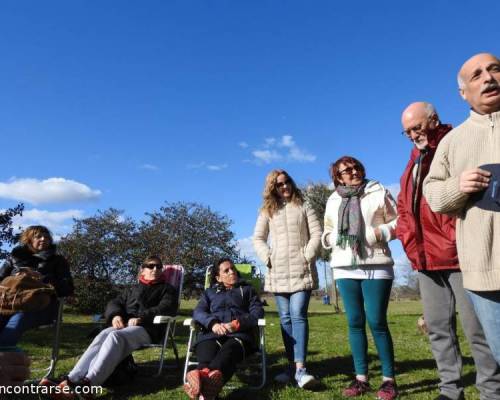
(223, 353)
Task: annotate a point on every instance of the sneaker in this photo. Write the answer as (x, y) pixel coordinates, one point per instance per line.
(305, 380)
(286, 376)
(387, 391)
(356, 388)
(192, 386)
(211, 384)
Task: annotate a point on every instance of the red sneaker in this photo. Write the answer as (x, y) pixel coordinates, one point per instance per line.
(193, 385)
(388, 391)
(356, 388)
(212, 384)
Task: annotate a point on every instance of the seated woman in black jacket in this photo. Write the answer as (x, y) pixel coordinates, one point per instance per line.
(37, 255)
(228, 312)
(131, 317)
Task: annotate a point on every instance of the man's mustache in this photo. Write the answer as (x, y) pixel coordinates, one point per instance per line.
(490, 86)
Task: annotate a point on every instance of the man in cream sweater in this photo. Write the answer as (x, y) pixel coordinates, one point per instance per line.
(466, 163)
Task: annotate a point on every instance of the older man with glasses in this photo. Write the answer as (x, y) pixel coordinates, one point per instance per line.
(428, 239)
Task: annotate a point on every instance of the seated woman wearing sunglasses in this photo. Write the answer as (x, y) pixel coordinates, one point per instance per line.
(130, 316)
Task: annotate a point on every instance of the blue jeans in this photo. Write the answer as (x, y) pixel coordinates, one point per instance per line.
(13, 326)
(487, 308)
(367, 299)
(292, 308)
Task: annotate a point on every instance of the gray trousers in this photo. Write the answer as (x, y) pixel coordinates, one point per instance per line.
(441, 291)
(106, 351)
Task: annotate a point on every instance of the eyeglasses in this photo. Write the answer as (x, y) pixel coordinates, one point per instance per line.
(281, 184)
(153, 266)
(416, 128)
(349, 170)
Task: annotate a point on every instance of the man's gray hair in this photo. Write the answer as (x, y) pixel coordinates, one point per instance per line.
(461, 83)
(430, 110)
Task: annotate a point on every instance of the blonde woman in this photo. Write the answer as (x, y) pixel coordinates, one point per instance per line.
(291, 271)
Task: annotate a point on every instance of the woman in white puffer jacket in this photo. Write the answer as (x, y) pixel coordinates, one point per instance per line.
(291, 271)
(360, 219)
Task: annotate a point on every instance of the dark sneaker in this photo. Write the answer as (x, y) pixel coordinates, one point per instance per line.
(211, 384)
(356, 388)
(387, 391)
(192, 386)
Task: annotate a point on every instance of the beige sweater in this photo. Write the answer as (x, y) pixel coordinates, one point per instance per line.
(295, 241)
(474, 143)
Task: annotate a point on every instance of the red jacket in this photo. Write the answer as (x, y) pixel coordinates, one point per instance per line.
(428, 238)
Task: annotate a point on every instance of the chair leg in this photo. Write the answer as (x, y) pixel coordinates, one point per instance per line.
(162, 354)
(55, 347)
(174, 348)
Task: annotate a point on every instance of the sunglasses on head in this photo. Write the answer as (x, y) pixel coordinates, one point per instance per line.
(152, 266)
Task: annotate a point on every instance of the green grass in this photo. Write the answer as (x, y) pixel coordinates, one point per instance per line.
(329, 358)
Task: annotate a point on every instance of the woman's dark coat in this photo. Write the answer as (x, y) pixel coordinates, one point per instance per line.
(53, 267)
(144, 302)
(221, 305)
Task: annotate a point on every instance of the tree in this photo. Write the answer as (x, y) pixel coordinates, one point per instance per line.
(7, 236)
(189, 234)
(316, 195)
(102, 252)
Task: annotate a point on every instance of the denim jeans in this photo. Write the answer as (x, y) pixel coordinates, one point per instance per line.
(292, 308)
(487, 308)
(13, 326)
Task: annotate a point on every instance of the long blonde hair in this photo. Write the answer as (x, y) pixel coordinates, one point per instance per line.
(271, 199)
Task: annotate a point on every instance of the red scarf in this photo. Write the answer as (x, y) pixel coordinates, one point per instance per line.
(161, 279)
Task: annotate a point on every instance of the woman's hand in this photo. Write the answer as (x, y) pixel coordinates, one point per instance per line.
(219, 329)
(134, 322)
(117, 322)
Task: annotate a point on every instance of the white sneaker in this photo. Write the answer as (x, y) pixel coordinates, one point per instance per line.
(305, 380)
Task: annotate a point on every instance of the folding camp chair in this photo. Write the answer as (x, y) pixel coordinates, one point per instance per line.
(174, 275)
(57, 339)
(249, 274)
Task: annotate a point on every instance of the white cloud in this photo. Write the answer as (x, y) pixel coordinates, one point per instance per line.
(394, 188)
(51, 190)
(59, 222)
(266, 156)
(216, 167)
(281, 149)
(243, 145)
(149, 167)
(209, 167)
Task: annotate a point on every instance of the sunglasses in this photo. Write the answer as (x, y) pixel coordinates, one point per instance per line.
(152, 266)
(281, 184)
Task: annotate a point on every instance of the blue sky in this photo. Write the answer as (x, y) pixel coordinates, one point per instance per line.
(130, 104)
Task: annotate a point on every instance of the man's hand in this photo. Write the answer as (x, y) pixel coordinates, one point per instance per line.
(474, 180)
(134, 321)
(117, 322)
(219, 329)
(14, 368)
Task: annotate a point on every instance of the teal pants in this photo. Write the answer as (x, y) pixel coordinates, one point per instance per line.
(367, 299)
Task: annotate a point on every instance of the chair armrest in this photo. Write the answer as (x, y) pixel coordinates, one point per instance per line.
(163, 319)
(262, 322)
(187, 322)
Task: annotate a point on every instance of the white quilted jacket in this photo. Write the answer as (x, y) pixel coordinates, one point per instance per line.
(295, 236)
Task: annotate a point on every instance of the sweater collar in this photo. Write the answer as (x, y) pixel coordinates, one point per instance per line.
(485, 119)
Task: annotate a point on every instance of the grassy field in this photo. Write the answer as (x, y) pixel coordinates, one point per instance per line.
(329, 358)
